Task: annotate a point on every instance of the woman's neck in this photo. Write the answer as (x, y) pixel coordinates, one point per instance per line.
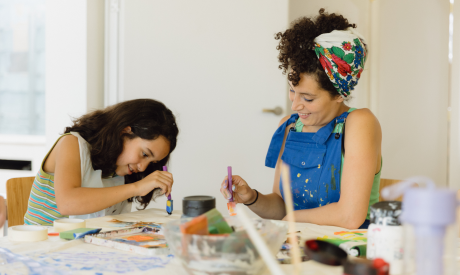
(314, 128)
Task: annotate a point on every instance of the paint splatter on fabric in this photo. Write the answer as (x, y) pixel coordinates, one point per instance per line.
(75, 262)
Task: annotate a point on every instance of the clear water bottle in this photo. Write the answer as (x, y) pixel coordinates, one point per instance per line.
(429, 220)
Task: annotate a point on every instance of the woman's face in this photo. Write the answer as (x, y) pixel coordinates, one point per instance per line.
(314, 105)
(138, 153)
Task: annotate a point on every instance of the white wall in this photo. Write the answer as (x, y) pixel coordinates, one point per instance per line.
(214, 63)
(408, 64)
(454, 150)
(413, 88)
(357, 12)
(74, 62)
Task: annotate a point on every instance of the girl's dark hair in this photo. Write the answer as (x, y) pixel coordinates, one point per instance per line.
(296, 47)
(102, 129)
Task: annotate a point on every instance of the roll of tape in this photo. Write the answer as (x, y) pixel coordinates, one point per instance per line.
(68, 224)
(27, 233)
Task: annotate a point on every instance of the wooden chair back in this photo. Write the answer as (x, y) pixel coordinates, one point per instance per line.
(17, 197)
(387, 182)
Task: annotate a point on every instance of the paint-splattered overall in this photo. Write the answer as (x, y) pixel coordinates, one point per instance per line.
(314, 160)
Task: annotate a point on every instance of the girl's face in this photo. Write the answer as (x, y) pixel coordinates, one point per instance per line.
(314, 105)
(138, 153)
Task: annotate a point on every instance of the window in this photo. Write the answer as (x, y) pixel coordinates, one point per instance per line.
(22, 67)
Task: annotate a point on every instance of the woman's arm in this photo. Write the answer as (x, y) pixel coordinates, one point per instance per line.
(269, 206)
(72, 199)
(362, 161)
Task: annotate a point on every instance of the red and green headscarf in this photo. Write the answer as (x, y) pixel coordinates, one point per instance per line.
(342, 55)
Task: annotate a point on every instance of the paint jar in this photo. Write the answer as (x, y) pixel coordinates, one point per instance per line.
(428, 217)
(366, 267)
(193, 206)
(385, 234)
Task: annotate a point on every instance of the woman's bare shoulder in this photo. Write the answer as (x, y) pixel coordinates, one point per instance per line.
(283, 120)
(363, 118)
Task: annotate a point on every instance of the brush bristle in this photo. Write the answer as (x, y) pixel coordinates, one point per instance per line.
(169, 206)
(231, 208)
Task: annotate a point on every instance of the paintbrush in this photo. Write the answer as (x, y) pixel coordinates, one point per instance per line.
(169, 202)
(285, 175)
(231, 204)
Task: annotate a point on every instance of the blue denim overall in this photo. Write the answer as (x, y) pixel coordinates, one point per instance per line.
(314, 161)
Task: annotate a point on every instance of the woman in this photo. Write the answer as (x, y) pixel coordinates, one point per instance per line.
(84, 175)
(334, 177)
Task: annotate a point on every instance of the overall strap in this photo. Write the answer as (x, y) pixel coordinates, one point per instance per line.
(277, 141)
(342, 130)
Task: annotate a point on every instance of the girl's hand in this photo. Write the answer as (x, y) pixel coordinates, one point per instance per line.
(158, 179)
(242, 193)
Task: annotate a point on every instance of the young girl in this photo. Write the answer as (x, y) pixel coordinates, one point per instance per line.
(334, 177)
(107, 158)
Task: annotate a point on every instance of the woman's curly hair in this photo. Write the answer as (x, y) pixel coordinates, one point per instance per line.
(296, 47)
(102, 129)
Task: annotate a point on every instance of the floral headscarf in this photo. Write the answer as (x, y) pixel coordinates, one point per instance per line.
(342, 55)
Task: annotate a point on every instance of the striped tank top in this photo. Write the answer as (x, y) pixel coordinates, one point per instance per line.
(42, 208)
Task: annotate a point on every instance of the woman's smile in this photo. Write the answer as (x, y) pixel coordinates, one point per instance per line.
(304, 115)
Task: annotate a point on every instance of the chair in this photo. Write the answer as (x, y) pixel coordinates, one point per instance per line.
(17, 197)
(387, 182)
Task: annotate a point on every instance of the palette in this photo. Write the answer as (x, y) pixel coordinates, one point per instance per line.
(141, 240)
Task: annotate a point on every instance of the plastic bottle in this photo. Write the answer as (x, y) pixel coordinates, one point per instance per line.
(385, 234)
(428, 216)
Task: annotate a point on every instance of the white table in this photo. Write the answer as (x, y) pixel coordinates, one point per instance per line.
(60, 250)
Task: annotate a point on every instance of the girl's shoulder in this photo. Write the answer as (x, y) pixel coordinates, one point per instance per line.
(74, 144)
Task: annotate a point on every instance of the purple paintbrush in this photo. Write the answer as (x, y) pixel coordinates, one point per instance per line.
(231, 204)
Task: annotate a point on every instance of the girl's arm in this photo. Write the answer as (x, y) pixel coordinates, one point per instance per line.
(72, 199)
(362, 161)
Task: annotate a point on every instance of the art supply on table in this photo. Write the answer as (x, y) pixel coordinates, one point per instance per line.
(330, 254)
(259, 242)
(358, 250)
(230, 204)
(428, 217)
(141, 240)
(169, 202)
(385, 234)
(68, 224)
(353, 242)
(232, 253)
(193, 206)
(78, 233)
(27, 233)
(197, 226)
(126, 224)
(285, 176)
(284, 255)
(325, 252)
(53, 234)
(211, 222)
(366, 267)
